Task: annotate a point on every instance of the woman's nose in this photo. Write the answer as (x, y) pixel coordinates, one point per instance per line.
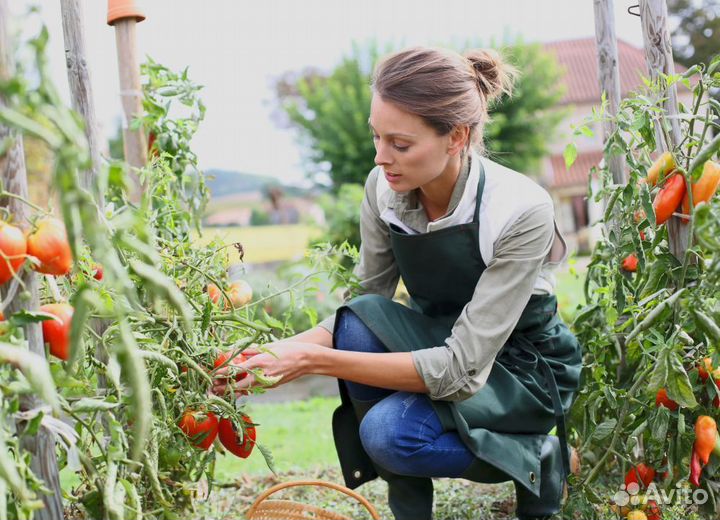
(382, 157)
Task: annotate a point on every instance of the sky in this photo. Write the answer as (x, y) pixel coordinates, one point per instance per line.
(236, 49)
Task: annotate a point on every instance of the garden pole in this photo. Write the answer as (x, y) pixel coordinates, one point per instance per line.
(14, 176)
(81, 90)
(124, 16)
(609, 76)
(658, 56)
(83, 101)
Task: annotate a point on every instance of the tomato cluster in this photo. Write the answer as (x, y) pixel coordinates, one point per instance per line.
(203, 427)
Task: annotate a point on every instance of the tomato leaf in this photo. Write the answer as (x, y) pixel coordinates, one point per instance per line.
(22, 317)
(604, 429)
(570, 154)
(267, 455)
(679, 388)
(659, 423)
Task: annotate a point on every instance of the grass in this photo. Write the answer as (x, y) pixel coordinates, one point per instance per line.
(265, 243)
(298, 433)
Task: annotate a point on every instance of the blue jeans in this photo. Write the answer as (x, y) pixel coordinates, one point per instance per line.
(402, 432)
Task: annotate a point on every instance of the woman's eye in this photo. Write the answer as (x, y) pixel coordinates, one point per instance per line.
(401, 148)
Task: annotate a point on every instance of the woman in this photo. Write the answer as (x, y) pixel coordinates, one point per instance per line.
(469, 380)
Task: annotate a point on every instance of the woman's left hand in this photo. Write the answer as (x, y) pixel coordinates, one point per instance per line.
(287, 360)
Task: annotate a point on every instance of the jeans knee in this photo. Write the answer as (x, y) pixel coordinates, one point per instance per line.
(352, 334)
(392, 434)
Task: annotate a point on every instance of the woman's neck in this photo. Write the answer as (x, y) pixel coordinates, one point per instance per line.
(435, 195)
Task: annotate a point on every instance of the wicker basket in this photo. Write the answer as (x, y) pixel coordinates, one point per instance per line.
(264, 509)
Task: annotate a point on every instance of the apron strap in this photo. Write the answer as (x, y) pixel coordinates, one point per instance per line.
(480, 188)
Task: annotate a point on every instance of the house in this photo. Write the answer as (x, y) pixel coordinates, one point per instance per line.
(569, 188)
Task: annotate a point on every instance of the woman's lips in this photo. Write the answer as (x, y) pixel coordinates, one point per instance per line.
(392, 177)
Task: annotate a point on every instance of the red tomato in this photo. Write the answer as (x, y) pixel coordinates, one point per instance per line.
(97, 272)
(669, 198)
(705, 369)
(641, 474)
(236, 442)
(13, 247)
(224, 356)
(662, 399)
(49, 244)
(653, 511)
(630, 263)
(200, 427)
(56, 332)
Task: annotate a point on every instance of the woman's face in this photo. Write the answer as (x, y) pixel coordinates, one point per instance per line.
(410, 152)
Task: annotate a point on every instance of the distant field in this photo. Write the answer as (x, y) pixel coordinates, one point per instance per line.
(265, 243)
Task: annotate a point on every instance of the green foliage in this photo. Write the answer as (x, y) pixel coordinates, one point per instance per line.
(123, 391)
(649, 329)
(259, 217)
(342, 212)
(330, 111)
(522, 127)
(696, 32)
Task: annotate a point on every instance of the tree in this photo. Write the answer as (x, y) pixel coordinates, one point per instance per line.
(695, 37)
(330, 113)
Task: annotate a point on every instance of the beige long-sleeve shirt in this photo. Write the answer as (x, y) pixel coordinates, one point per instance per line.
(517, 234)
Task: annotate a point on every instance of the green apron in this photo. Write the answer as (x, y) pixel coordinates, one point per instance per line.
(533, 379)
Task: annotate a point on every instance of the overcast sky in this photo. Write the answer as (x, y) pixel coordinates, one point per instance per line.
(235, 49)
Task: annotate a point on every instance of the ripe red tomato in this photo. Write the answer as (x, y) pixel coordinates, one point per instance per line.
(13, 247)
(97, 272)
(662, 399)
(630, 263)
(669, 198)
(641, 474)
(235, 441)
(56, 332)
(200, 427)
(224, 356)
(49, 244)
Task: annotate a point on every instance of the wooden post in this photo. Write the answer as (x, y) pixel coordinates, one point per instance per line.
(84, 103)
(14, 176)
(658, 56)
(609, 76)
(124, 16)
(81, 89)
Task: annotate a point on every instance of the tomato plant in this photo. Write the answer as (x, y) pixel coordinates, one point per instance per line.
(650, 333)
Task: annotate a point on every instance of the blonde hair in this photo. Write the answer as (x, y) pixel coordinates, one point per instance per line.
(444, 88)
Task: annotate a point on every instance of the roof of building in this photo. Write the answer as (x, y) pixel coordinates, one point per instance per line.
(579, 171)
(578, 58)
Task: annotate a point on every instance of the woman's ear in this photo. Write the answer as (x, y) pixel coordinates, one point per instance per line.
(459, 137)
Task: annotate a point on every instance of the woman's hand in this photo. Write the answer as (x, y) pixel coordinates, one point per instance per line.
(287, 360)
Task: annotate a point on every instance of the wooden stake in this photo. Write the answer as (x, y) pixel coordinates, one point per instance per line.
(12, 171)
(658, 56)
(609, 76)
(130, 91)
(81, 89)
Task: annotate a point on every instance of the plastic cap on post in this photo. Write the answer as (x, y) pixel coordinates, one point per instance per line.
(121, 9)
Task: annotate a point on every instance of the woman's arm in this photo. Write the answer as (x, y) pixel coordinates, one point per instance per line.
(288, 360)
(392, 370)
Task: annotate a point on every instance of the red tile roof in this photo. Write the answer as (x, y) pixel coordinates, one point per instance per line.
(579, 59)
(579, 171)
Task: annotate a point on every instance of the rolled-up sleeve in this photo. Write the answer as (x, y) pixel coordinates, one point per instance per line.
(458, 369)
(377, 271)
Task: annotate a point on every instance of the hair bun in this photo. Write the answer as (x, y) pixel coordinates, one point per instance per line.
(494, 77)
